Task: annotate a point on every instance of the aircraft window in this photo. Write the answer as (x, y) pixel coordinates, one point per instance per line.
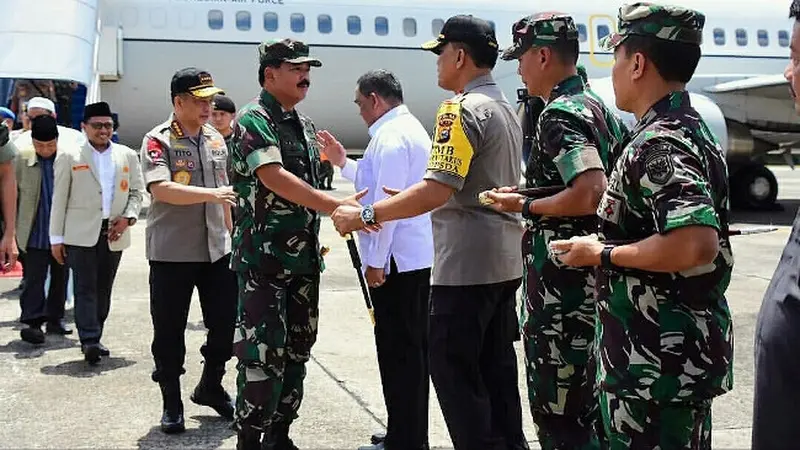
(763, 38)
(270, 21)
(324, 23)
(381, 26)
(215, 19)
(409, 27)
(582, 33)
(297, 22)
(243, 20)
(602, 31)
(436, 26)
(187, 19)
(353, 24)
(158, 18)
(783, 38)
(741, 37)
(719, 36)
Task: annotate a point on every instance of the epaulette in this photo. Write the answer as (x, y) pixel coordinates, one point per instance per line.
(176, 129)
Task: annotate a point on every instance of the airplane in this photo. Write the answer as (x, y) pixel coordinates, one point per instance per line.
(125, 52)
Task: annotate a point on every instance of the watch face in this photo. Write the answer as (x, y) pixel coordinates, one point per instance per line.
(367, 214)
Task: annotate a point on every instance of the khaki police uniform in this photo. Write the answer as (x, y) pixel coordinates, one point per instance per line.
(189, 246)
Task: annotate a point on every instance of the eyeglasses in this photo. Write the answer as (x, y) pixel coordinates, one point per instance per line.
(101, 125)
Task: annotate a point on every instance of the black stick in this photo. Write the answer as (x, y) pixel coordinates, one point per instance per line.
(356, 259)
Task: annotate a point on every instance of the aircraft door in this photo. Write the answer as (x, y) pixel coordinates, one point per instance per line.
(600, 26)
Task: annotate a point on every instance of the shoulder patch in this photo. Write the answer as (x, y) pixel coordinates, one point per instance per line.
(658, 164)
(451, 152)
(154, 148)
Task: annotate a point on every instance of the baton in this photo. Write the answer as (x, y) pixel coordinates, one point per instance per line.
(537, 192)
(351, 246)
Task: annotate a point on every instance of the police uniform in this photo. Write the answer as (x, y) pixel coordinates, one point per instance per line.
(477, 269)
(189, 246)
(276, 257)
(575, 133)
(666, 341)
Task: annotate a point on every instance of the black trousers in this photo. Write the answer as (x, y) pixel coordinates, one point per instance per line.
(93, 272)
(401, 339)
(474, 366)
(36, 307)
(171, 287)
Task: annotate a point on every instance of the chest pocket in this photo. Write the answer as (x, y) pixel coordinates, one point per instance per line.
(295, 156)
(185, 164)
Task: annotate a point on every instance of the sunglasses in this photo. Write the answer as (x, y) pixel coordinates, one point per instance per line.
(101, 125)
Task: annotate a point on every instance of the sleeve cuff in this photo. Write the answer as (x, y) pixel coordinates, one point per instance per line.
(263, 156)
(577, 161)
(350, 168)
(7, 152)
(698, 214)
(453, 181)
(55, 240)
(156, 174)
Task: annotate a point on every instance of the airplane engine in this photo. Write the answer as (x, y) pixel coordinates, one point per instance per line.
(752, 185)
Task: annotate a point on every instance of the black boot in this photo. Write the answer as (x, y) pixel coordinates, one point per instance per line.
(277, 438)
(172, 418)
(209, 392)
(248, 439)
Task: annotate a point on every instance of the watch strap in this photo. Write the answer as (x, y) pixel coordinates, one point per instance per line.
(605, 258)
(526, 209)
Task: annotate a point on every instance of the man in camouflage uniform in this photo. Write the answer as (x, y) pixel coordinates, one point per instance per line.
(572, 147)
(276, 250)
(665, 331)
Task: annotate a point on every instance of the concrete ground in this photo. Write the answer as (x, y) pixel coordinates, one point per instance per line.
(50, 398)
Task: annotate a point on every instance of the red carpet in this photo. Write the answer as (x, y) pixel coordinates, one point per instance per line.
(15, 273)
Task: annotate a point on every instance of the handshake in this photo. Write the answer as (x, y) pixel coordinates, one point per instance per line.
(347, 216)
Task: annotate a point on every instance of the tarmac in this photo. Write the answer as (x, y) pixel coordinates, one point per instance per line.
(51, 398)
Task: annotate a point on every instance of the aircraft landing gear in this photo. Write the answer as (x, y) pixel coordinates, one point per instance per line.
(754, 187)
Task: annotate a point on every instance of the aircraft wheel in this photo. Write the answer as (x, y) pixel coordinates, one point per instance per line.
(754, 187)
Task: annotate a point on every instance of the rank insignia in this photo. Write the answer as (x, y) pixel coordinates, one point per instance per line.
(182, 177)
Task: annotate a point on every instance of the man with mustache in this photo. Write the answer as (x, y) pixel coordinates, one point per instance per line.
(777, 337)
(276, 252)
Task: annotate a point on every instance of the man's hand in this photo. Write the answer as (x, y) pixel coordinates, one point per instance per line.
(353, 200)
(505, 200)
(347, 218)
(59, 253)
(116, 228)
(223, 195)
(375, 277)
(8, 251)
(578, 251)
(391, 191)
(332, 148)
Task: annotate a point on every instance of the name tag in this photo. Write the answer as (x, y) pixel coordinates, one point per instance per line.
(80, 167)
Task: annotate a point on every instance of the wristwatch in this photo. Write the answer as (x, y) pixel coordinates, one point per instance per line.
(605, 258)
(368, 215)
(131, 221)
(526, 210)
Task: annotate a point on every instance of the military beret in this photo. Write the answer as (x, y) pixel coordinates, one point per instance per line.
(286, 50)
(666, 22)
(540, 30)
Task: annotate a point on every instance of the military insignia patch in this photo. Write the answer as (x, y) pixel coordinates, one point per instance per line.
(180, 163)
(154, 149)
(658, 165)
(182, 177)
(444, 125)
(190, 165)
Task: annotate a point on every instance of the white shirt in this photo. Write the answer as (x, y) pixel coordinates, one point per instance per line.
(396, 157)
(105, 169)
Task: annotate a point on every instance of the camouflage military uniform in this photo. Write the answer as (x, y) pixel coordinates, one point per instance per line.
(666, 342)
(276, 254)
(575, 133)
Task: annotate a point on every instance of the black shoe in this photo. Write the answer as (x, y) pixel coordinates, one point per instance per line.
(172, 417)
(377, 438)
(248, 439)
(59, 327)
(277, 438)
(209, 392)
(32, 335)
(91, 353)
(103, 350)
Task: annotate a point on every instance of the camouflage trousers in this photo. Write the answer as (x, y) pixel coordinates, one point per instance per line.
(276, 327)
(636, 424)
(558, 334)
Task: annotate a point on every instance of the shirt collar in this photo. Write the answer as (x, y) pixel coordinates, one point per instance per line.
(569, 86)
(674, 101)
(270, 103)
(479, 81)
(386, 117)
